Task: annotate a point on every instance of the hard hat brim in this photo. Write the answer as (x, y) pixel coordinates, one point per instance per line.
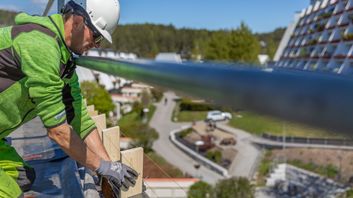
(105, 34)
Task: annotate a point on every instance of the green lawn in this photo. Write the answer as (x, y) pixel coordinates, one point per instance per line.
(128, 119)
(189, 116)
(131, 125)
(151, 112)
(134, 117)
(259, 124)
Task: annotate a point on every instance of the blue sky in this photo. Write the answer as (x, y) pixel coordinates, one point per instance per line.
(260, 15)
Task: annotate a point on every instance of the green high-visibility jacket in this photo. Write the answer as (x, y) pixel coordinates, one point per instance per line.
(33, 63)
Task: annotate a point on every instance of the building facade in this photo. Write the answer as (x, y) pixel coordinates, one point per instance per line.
(320, 38)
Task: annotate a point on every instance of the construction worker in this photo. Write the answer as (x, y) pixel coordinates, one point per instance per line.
(38, 78)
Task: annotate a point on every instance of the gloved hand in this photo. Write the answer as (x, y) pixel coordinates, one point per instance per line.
(118, 175)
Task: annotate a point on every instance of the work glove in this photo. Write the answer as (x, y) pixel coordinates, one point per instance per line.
(119, 175)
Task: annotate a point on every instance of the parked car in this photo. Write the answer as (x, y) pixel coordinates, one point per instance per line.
(218, 116)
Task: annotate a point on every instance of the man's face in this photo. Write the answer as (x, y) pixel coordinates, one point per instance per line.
(82, 38)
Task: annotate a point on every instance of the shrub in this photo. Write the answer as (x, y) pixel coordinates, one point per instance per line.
(185, 133)
(188, 105)
(234, 188)
(215, 156)
(98, 96)
(200, 190)
(157, 94)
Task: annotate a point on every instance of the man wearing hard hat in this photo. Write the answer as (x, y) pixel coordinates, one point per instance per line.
(38, 78)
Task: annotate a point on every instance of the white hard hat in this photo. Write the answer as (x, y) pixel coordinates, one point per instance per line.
(104, 15)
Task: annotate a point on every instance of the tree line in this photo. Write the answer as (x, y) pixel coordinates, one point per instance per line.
(239, 44)
(147, 40)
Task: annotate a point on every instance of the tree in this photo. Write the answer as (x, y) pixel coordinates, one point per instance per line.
(272, 40)
(200, 190)
(217, 47)
(145, 99)
(98, 96)
(144, 137)
(234, 188)
(157, 94)
(243, 45)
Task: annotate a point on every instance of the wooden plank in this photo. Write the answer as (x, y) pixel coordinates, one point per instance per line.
(111, 142)
(134, 159)
(90, 108)
(92, 113)
(101, 123)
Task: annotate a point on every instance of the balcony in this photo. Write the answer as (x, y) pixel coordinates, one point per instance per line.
(312, 42)
(319, 27)
(335, 36)
(325, 15)
(332, 22)
(347, 37)
(304, 53)
(340, 56)
(339, 8)
(326, 55)
(349, 5)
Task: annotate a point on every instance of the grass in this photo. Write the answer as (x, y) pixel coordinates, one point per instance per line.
(134, 117)
(329, 171)
(129, 118)
(189, 116)
(267, 162)
(169, 169)
(264, 168)
(152, 109)
(258, 124)
(185, 133)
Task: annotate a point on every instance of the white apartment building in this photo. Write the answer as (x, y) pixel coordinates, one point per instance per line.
(320, 38)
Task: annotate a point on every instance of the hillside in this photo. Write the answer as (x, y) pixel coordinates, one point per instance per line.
(147, 40)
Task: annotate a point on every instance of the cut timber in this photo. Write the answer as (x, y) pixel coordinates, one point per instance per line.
(134, 159)
(100, 123)
(90, 108)
(92, 113)
(111, 142)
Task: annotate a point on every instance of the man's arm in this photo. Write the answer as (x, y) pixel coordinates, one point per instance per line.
(71, 143)
(119, 176)
(94, 143)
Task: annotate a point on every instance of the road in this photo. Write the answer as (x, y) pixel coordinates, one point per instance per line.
(161, 121)
(248, 156)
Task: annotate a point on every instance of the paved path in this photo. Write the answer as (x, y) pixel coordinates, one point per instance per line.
(161, 121)
(245, 162)
(248, 156)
